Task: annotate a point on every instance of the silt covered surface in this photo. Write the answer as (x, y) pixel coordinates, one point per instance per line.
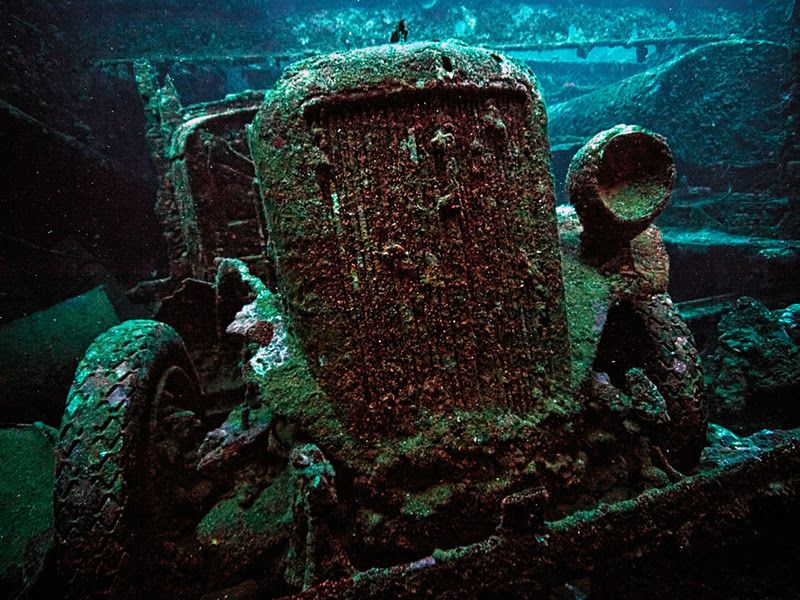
(719, 106)
(416, 262)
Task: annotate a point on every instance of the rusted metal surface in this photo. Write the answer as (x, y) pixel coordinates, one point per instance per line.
(413, 215)
(283, 58)
(208, 200)
(438, 356)
(688, 519)
(619, 182)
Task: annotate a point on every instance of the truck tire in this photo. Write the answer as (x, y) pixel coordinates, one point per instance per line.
(649, 334)
(133, 401)
(672, 362)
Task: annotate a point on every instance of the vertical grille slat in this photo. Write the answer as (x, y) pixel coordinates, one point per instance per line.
(441, 307)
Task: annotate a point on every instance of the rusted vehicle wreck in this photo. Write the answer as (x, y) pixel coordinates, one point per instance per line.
(427, 380)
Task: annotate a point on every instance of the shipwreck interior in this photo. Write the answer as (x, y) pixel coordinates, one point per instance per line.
(375, 299)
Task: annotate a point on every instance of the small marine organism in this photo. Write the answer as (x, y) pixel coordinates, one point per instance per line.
(399, 30)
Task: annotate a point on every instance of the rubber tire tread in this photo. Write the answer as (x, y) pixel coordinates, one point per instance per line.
(101, 453)
(672, 363)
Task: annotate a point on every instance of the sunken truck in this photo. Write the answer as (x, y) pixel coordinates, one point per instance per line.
(417, 376)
